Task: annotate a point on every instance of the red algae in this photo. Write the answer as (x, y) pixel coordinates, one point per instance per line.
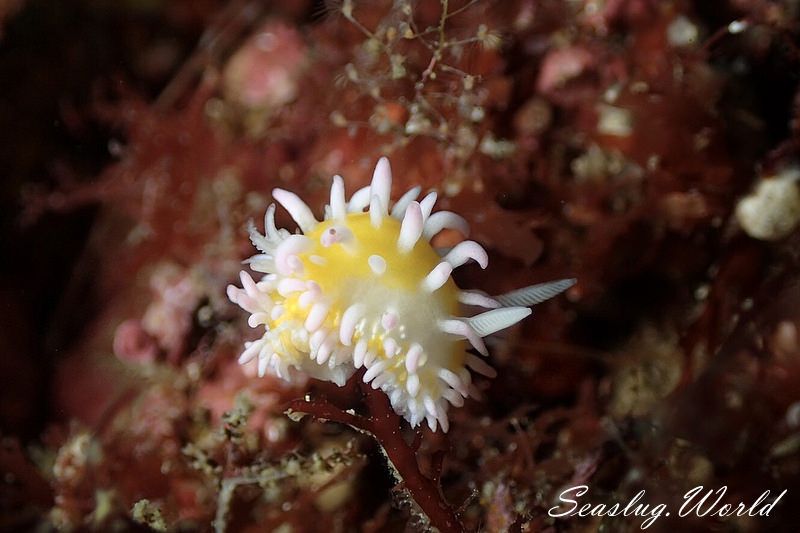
(613, 142)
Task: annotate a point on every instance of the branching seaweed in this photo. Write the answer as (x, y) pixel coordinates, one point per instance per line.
(420, 80)
(385, 426)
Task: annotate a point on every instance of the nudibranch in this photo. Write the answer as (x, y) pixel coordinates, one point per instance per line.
(367, 289)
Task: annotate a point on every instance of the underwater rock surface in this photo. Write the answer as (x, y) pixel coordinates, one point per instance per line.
(647, 149)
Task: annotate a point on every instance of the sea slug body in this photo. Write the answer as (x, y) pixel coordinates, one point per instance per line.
(367, 289)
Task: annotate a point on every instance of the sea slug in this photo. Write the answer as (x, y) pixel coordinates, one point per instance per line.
(367, 289)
